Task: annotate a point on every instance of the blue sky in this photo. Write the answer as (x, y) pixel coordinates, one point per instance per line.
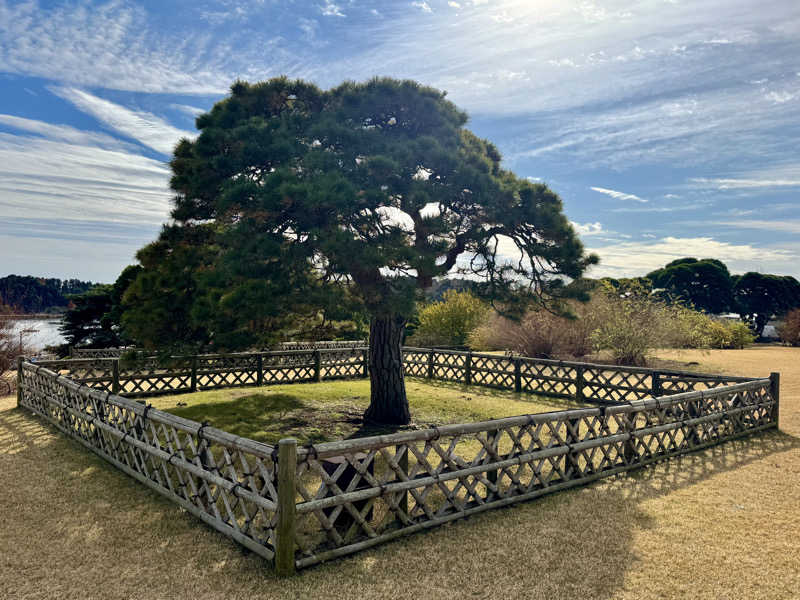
(669, 127)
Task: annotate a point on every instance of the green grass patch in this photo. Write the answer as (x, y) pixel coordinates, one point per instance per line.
(320, 412)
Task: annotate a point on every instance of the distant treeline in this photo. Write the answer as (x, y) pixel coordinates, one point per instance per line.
(27, 294)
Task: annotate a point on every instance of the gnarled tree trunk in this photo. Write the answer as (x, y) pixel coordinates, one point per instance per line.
(388, 402)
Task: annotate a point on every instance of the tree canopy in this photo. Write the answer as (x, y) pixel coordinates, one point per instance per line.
(759, 296)
(705, 284)
(355, 198)
(94, 317)
(27, 294)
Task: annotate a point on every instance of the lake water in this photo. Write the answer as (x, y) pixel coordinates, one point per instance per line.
(42, 333)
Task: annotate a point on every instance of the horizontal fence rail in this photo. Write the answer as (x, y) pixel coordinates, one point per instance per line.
(301, 506)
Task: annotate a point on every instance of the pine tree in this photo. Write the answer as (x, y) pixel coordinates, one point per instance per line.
(361, 195)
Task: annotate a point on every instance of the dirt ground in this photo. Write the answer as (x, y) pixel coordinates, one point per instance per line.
(723, 523)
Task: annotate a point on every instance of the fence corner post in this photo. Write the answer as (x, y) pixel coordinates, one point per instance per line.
(579, 380)
(317, 366)
(285, 533)
(20, 375)
(468, 369)
(775, 390)
(517, 374)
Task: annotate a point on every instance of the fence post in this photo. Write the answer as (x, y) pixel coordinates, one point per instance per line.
(365, 361)
(573, 436)
(579, 384)
(491, 475)
(403, 464)
(656, 387)
(775, 390)
(468, 369)
(317, 366)
(193, 383)
(20, 375)
(517, 374)
(629, 452)
(430, 364)
(285, 533)
(115, 377)
(260, 371)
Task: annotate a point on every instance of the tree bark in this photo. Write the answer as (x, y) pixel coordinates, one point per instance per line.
(388, 402)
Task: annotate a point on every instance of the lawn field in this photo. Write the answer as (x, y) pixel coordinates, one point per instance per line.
(722, 523)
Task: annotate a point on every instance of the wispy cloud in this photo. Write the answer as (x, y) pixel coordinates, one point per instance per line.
(63, 133)
(733, 184)
(192, 111)
(775, 225)
(51, 179)
(331, 9)
(423, 6)
(144, 127)
(618, 195)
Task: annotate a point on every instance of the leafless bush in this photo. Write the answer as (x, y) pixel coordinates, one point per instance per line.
(10, 348)
(539, 334)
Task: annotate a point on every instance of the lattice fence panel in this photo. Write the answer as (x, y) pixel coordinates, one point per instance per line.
(492, 371)
(292, 367)
(232, 370)
(548, 378)
(96, 373)
(449, 366)
(152, 376)
(416, 362)
(227, 482)
(343, 364)
(609, 384)
(356, 493)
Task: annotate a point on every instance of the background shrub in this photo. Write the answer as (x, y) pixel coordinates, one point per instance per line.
(789, 330)
(449, 322)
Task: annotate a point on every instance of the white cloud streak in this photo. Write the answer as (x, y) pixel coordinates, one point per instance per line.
(144, 127)
(618, 195)
(51, 179)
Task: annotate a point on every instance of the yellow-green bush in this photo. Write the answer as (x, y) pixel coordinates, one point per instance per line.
(449, 322)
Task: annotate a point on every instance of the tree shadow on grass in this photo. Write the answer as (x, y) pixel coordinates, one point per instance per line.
(269, 417)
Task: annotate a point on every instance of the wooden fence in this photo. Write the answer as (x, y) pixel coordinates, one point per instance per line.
(302, 505)
(583, 382)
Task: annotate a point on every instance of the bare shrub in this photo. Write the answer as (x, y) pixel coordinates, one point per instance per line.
(789, 330)
(539, 334)
(10, 349)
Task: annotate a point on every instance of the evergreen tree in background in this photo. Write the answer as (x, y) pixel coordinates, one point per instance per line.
(705, 284)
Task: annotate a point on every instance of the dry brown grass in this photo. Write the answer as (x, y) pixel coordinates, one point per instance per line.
(723, 523)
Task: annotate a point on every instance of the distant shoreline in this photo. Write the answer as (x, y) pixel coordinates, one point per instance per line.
(32, 317)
